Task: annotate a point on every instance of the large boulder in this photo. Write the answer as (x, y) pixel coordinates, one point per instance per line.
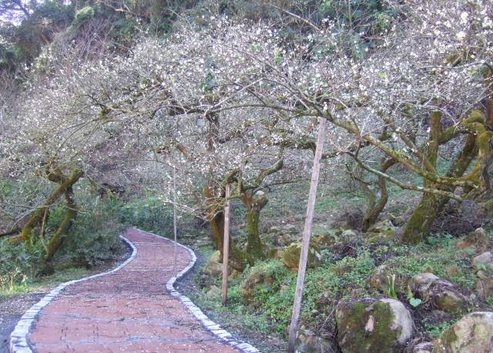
(291, 256)
(472, 334)
(442, 294)
(214, 266)
(370, 325)
(483, 264)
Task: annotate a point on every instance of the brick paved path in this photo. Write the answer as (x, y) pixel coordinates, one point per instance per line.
(126, 311)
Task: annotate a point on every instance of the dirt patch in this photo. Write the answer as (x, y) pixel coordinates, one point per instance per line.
(11, 310)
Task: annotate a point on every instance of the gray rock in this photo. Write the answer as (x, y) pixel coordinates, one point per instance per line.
(291, 256)
(484, 287)
(308, 342)
(472, 334)
(381, 231)
(443, 294)
(384, 279)
(213, 267)
(484, 263)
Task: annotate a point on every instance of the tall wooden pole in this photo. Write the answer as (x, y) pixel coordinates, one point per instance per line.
(226, 247)
(175, 237)
(306, 237)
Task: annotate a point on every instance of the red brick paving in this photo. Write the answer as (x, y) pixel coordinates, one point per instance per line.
(127, 311)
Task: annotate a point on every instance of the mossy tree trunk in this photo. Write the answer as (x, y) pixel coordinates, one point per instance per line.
(254, 203)
(36, 218)
(431, 205)
(215, 216)
(56, 239)
(478, 146)
(375, 207)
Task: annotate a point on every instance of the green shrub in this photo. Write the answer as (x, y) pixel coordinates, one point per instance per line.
(83, 15)
(18, 263)
(93, 237)
(149, 214)
(275, 296)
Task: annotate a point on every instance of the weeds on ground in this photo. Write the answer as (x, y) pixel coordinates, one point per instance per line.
(338, 278)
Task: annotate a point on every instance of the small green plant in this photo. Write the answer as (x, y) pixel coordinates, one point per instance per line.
(11, 279)
(489, 301)
(413, 301)
(435, 330)
(391, 286)
(18, 263)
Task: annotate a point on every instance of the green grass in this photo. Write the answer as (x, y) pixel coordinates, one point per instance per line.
(439, 255)
(336, 279)
(42, 283)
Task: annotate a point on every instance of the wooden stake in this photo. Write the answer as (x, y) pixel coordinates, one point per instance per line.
(306, 238)
(226, 247)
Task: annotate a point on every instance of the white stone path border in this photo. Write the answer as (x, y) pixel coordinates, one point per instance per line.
(18, 337)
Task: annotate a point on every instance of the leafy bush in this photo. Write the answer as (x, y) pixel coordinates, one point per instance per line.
(274, 297)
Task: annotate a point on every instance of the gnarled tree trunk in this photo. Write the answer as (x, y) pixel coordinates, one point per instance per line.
(65, 184)
(57, 238)
(431, 205)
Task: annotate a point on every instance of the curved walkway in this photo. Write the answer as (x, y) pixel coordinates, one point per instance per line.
(126, 310)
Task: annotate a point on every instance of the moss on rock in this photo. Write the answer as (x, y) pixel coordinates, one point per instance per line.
(369, 326)
(472, 334)
(291, 256)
